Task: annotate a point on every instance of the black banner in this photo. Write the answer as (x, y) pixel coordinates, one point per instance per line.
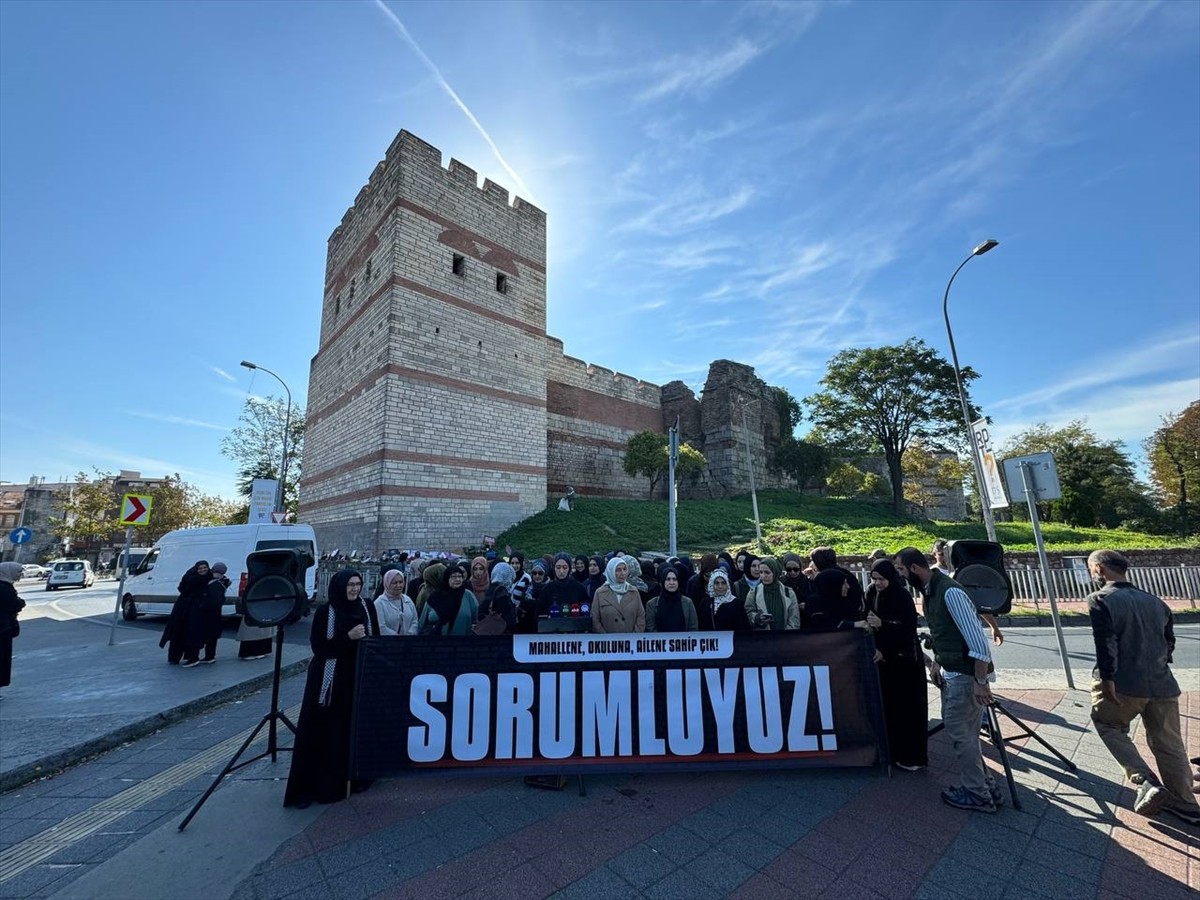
(569, 703)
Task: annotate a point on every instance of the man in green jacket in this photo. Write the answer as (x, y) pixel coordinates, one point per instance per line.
(962, 664)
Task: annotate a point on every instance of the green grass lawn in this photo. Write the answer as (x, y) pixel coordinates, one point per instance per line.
(790, 521)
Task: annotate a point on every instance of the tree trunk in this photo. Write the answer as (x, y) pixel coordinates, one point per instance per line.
(896, 473)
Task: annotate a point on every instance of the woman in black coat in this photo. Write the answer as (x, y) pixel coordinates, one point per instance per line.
(204, 621)
(192, 587)
(10, 605)
(892, 616)
(321, 756)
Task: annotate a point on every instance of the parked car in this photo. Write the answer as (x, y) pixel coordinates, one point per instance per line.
(70, 573)
(33, 570)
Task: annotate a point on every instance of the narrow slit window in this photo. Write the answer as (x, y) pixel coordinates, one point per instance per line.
(501, 282)
(337, 305)
(459, 265)
(352, 286)
(368, 278)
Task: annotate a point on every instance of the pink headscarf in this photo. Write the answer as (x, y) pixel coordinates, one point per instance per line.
(391, 575)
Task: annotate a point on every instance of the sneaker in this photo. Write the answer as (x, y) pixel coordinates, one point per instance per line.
(1150, 799)
(1189, 815)
(189, 663)
(209, 662)
(995, 794)
(961, 798)
(909, 768)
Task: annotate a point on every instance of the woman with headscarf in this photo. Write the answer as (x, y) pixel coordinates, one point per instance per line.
(451, 608)
(892, 616)
(731, 565)
(579, 568)
(697, 585)
(480, 578)
(395, 610)
(749, 580)
(522, 595)
(634, 568)
(726, 611)
(595, 575)
(671, 610)
(321, 753)
(772, 604)
(617, 606)
(563, 592)
(649, 579)
(11, 605)
(204, 623)
(801, 585)
(431, 577)
(191, 590)
(499, 597)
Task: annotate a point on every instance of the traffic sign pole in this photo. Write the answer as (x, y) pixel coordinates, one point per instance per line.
(112, 632)
(1031, 499)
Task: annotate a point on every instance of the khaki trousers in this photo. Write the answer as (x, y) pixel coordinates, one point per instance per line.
(1160, 718)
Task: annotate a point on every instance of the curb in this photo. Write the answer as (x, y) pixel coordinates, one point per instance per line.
(1079, 620)
(55, 763)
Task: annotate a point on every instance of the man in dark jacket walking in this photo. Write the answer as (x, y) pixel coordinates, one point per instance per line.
(1135, 641)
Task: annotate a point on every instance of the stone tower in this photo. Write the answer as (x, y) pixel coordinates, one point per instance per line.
(427, 394)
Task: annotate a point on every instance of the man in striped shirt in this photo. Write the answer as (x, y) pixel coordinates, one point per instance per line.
(962, 670)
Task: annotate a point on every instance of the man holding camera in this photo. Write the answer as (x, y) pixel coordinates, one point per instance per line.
(1134, 644)
(961, 670)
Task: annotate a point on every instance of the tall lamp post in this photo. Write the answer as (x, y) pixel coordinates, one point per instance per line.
(287, 427)
(980, 488)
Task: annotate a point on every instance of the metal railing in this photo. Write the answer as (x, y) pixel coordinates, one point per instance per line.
(1029, 587)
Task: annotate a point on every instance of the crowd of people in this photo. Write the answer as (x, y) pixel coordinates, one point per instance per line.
(615, 593)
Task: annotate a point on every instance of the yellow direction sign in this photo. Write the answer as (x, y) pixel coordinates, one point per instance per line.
(135, 509)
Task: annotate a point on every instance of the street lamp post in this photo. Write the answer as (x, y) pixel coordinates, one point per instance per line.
(750, 469)
(287, 427)
(980, 488)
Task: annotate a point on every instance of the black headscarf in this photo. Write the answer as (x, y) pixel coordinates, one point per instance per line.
(669, 615)
(734, 573)
(348, 614)
(594, 581)
(447, 601)
(581, 577)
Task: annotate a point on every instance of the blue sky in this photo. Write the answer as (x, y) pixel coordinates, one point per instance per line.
(768, 182)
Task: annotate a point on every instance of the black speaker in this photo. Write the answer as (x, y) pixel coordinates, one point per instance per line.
(979, 567)
(275, 593)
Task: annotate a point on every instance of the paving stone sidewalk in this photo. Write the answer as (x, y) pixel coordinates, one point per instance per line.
(842, 833)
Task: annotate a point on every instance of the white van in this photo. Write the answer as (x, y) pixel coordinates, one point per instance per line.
(153, 586)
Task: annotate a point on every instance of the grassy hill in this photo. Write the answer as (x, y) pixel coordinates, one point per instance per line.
(790, 521)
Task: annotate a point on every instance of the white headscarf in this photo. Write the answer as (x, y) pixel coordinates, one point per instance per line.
(610, 575)
(719, 600)
(11, 571)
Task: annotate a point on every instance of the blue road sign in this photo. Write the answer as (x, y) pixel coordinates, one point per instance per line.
(20, 535)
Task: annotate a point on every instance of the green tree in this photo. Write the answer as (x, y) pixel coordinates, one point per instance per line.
(178, 504)
(882, 398)
(924, 471)
(90, 513)
(1173, 451)
(256, 445)
(788, 408)
(646, 454)
(846, 480)
(804, 461)
(1099, 487)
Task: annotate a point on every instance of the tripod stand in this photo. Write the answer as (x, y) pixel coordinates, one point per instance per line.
(270, 719)
(991, 726)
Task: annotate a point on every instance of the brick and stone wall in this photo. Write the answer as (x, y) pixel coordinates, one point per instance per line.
(427, 395)
(591, 414)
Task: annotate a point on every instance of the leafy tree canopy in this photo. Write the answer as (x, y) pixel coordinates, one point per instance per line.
(256, 445)
(806, 462)
(646, 454)
(885, 397)
(1099, 487)
(1173, 452)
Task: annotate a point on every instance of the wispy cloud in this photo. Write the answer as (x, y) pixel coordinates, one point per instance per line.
(690, 208)
(698, 72)
(173, 420)
(218, 370)
(453, 95)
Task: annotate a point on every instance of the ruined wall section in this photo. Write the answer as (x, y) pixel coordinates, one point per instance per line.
(591, 414)
(427, 404)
